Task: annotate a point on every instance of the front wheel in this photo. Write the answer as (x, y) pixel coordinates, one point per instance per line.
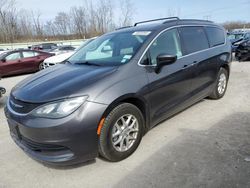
(41, 67)
(221, 84)
(121, 133)
(2, 91)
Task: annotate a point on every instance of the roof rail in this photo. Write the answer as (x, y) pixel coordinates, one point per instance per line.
(197, 20)
(154, 20)
(123, 27)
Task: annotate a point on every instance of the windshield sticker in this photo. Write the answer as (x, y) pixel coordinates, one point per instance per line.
(123, 60)
(127, 57)
(142, 33)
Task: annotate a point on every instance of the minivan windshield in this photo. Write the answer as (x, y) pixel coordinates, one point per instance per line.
(110, 50)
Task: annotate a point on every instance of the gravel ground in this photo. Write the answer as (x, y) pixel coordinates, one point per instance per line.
(207, 145)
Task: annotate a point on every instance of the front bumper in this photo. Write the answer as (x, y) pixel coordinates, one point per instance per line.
(2, 91)
(64, 141)
(47, 65)
(242, 53)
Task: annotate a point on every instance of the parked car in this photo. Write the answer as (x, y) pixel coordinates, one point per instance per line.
(63, 49)
(21, 61)
(236, 43)
(2, 90)
(51, 61)
(234, 38)
(4, 51)
(46, 47)
(113, 90)
(242, 52)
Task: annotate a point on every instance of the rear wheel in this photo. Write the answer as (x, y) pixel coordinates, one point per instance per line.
(221, 85)
(121, 133)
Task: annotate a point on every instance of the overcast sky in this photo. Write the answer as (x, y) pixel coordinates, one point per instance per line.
(216, 10)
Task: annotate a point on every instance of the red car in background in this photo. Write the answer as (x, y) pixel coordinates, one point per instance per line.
(21, 61)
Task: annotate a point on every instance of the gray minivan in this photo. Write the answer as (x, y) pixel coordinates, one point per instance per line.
(116, 88)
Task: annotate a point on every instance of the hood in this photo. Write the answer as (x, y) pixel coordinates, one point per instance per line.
(59, 58)
(60, 82)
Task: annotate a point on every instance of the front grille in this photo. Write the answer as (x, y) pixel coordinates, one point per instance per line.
(38, 147)
(22, 107)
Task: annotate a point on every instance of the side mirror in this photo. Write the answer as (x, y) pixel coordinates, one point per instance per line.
(163, 60)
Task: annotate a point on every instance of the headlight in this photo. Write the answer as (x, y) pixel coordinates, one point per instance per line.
(244, 44)
(59, 109)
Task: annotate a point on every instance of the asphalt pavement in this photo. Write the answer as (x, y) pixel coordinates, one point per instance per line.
(207, 145)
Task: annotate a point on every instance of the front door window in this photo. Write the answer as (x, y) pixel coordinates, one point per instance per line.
(166, 43)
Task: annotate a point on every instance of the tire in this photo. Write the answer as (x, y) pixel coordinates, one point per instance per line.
(41, 66)
(108, 147)
(221, 86)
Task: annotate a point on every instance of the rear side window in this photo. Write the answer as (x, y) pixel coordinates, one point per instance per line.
(194, 39)
(37, 53)
(28, 54)
(216, 36)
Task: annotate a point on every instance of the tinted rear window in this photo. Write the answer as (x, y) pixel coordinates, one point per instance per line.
(215, 35)
(194, 39)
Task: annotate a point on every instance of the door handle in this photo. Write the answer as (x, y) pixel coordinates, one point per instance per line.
(190, 65)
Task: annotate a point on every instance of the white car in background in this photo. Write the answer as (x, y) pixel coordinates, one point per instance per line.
(51, 61)
(63, 49)
(3, 51)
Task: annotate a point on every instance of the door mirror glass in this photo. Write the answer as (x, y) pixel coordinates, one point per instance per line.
(166, 59)
(163, 60)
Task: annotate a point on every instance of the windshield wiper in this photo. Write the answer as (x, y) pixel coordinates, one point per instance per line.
(67, 61)
(87, 63)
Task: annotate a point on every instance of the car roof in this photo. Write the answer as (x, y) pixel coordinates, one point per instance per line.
(63, 46)
(160, 24)
(25, 50)
(47, 43)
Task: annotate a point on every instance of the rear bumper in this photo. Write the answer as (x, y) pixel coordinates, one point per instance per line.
(65, 141)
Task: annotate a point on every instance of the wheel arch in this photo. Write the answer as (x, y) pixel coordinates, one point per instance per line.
(136, 100)
(227, 67)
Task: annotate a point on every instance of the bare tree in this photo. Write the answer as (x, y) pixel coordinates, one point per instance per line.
(236, 25)
(79, 19)
(62, 22)
(8, 20)
(37, 23)
(104, 15)
(173, 12)
(92, 19)
(127, 12)
(25, 24)
(50, 29)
